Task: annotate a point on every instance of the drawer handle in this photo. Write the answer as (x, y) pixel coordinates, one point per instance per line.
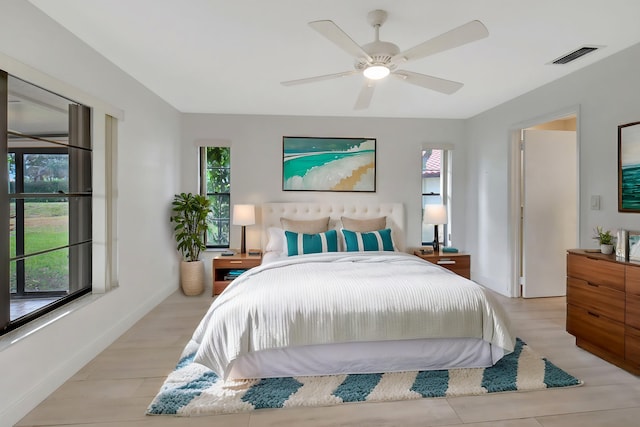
(593, 314)
(445, 262)
(235, 262)
(595, 285)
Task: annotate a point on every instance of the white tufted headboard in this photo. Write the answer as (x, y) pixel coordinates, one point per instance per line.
(272, 212)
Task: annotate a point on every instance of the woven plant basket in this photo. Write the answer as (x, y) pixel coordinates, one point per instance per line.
(192, 277)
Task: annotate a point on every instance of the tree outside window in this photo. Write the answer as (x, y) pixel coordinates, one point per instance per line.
(216, 177)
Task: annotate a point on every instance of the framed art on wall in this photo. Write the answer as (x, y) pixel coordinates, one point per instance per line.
(629, 167)
(328, 164)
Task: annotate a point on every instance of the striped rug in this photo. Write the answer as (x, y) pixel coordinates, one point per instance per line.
(192, 389)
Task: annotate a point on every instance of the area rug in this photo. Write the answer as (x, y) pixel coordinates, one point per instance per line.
(191, 389)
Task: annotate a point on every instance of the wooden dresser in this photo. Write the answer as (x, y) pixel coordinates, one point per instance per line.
(603, 307)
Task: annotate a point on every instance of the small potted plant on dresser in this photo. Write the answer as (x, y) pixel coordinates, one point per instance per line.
(605, 238)
(190, 218)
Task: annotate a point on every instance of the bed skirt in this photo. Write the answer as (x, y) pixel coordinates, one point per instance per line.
(367, 357)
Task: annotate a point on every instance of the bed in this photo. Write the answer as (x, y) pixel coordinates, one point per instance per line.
(339, 311)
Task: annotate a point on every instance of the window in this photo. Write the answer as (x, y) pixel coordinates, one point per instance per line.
(45, 209)
(215, 182)
(435, 189)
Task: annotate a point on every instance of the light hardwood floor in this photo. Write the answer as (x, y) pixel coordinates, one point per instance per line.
(115, 388)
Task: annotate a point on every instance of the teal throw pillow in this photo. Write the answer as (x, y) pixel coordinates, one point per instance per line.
(299, 243)
(379, 240)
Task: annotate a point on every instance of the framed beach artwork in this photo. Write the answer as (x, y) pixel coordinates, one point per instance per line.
(328, 164)
(629, 167)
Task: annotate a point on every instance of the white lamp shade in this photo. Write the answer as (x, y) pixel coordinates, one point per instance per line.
(244, 214)
(435, 214)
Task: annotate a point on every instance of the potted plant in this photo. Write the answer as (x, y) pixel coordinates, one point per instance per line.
(190, 218)
(605, 238)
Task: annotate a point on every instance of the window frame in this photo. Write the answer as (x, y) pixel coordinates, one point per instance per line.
(444, 193)
(224, 195)
(80, 260)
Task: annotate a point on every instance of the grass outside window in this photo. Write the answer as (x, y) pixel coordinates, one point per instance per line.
(46, 227)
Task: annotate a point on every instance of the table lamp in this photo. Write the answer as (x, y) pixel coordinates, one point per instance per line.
(244, 215)
(435, 215)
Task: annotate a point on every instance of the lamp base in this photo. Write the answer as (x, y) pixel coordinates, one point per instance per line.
(243, 242)
(436, 240)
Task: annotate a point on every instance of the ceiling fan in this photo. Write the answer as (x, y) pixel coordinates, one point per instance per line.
(378, 59)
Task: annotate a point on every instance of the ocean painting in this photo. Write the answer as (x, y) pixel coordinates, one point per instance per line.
(629, 155)
(328, 164)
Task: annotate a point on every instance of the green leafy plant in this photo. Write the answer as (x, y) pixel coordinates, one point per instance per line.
(604, 237)
(190, 217)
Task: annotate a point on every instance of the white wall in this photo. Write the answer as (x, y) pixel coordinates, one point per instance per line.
(607, 96)
(148, 177)
(256, 161)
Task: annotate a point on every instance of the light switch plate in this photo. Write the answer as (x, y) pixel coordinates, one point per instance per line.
(595, 203)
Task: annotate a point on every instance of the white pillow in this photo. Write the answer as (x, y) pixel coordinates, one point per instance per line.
(276, 242)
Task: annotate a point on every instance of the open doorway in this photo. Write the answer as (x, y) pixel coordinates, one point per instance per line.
(545, 200)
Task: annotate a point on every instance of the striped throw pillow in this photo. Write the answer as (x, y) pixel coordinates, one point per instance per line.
(299, 243)
(379, 240)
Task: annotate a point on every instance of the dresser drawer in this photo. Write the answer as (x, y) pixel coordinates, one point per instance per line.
(596, 271)
(632, 345)
(459, 262)
(234, 263)
(632, 311)
(598, 299)
(460, 265)
(632, 280)
(604, 333)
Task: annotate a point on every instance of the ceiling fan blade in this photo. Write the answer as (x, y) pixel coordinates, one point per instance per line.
(319, 78)
(467, 33)
(332, 32)
(434, 83)
(364, 99)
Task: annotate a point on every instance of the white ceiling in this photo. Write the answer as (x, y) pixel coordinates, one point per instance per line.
(226, 56)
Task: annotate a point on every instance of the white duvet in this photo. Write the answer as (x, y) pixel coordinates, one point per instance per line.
(345, 297)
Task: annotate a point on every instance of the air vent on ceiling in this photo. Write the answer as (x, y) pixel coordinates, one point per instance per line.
(572, 56)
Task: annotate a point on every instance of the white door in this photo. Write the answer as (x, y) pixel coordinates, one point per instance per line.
(550, 211)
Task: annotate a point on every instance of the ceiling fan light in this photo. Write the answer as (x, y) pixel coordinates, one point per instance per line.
(376, 72)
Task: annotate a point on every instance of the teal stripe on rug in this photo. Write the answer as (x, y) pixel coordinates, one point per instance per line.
(556, 377)
(356, 387)
(186, 360)
(503, 375)
(271, 392)
(431, 383)
(170, 401)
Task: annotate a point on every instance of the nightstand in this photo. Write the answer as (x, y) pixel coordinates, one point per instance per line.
(223, 266)
(459, 263)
